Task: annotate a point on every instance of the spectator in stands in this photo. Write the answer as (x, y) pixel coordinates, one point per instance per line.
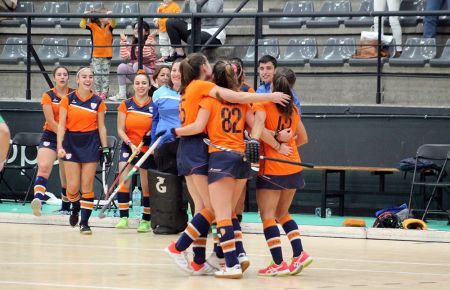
(168, 6)
(238, 66)
(130, 51)
(267, 65)
(430, 22)
(102, 39)
(179, 29)
(5, 136)
(393, 5)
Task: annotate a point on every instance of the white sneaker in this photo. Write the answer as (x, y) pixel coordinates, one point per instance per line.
(234, 272)
(244, 261)
(215, 261)
(181, 259)
(36, 206)
(205, 270)
(117, 98)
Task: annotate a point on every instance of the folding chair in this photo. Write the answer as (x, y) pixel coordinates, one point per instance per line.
(440, 155)
(24, 146)
(112, 145)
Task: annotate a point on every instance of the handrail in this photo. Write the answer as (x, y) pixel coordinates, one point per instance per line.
(196, 17)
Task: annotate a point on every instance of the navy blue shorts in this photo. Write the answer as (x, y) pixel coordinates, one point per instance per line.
(82, 147)
(192, 155)
(280, 182)
(48, 140)
(227, 164)
(125, 153)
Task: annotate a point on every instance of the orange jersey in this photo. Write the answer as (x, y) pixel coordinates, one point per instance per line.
(102, 39)
(82, 113)
(190, 100)
(246, 87)
(172, 7)
(138, 120)
(52, 98)
(226, 124)
(276, 122)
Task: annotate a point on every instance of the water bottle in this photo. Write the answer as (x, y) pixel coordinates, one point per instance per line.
(136, 202)
(328, 212)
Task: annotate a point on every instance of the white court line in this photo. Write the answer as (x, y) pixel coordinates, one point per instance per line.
(254, 255)
(378, 271)
(68, 285)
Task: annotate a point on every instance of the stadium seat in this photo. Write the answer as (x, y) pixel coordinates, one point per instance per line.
(411, 5)
(266, 46)
(151, 9)
(444, 60)
(373, 61)
(125, 8)
(14, 50)
(116, 60)
(21, 7)
(362, 21)
(82, 7)
(293, 22)
(81, 54)
(416, 52)
(299, 51)
(52, 8)
(51, 50)
(336, 51)
(331, 6)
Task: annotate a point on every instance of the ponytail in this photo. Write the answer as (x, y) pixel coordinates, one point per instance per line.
(190, 69)
(224, 75)
(281, 84)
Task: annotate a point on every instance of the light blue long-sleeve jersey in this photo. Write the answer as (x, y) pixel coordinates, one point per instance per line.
(165, 110)
(265, 88)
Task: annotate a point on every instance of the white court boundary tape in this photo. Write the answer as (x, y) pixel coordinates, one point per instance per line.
(255, 228)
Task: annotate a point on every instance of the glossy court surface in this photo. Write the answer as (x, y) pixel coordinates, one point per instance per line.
(58, 257)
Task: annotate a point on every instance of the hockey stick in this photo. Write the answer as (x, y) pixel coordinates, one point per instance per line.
(102, 214)
(105, 186)
(208, 142)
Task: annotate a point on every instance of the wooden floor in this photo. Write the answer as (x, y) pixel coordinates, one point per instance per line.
(58, 257)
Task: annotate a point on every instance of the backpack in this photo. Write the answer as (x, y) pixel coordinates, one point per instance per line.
(387, 220)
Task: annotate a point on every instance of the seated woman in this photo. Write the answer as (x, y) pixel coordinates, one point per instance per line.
(130, 51)
(178, 29)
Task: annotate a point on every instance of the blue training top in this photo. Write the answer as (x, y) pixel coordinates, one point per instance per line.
(165, 110)
(265, 88)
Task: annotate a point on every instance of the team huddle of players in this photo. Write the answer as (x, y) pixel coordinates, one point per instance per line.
(196, 102)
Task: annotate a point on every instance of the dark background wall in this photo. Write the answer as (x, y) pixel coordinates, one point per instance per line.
(338, 135)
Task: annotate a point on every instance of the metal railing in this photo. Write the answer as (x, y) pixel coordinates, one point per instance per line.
(196, 19)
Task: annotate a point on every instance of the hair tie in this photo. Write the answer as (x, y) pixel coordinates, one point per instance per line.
(141, 72)
(235, 68)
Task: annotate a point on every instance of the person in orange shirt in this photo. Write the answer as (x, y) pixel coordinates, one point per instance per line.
(192, 155)
(102, 39)
(81, 132)
(277, 182)
(47, 148)
(134, 121)
(167, 6)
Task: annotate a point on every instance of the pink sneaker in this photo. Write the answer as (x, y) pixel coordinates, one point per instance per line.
(275, 270)
(299, 263)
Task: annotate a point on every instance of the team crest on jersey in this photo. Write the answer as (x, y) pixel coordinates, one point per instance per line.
(125, 154)
(130, 108)
(68, 155)
(93, 106)
(55, 100)
(150, 109)
(46, 143)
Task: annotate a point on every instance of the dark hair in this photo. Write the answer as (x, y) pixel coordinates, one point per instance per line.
(57, 68)
(190, 69)
(268, 58)
(281, 84)
(170, 84)
(238, 64)
(135, 40)
(158, 69)
(289, 74)
(224, 75)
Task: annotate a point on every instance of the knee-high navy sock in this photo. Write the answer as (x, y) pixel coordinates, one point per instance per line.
(199, 225)
(86, 204)
(146, 215)
(65, 202)
(123, 199)
(40, 187)
(238, 235)
(272, 235)
(225, 232)
(291, 229)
